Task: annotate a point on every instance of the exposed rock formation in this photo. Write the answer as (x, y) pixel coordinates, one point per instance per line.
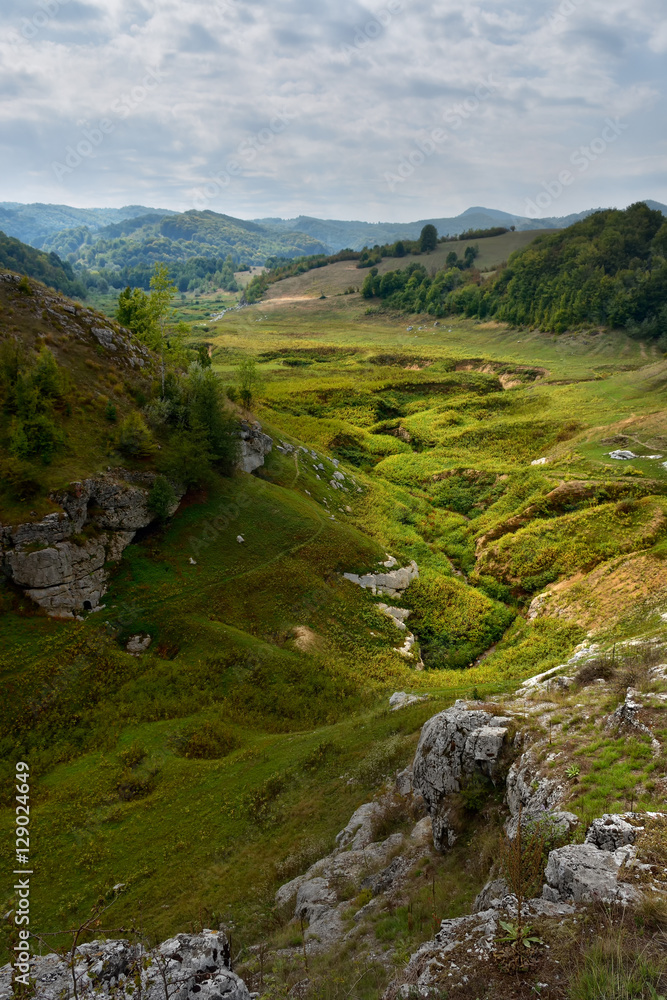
(455, 745)
(122, 347)
(392, 583)
(534, 796)
(583, 873)
(60, 569)
(185, 967)
(255, 446)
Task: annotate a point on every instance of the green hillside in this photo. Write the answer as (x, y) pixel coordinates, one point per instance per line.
(258, 720)
(35, 223)
(124, 253)
(46, 267)
(608, 270)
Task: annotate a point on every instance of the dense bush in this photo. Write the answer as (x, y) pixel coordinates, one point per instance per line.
(205, 741)
(32, 391)
(454, 622)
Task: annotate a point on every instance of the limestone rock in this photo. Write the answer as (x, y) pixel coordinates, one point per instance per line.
(401, 700)
(392, 583)
(359, 830)
(610, 832)
(194, 965)
(138, 644)
(455, 744)
(255, 446)
(496, 888)
(535, 796)
(58, 569)
(583, 873)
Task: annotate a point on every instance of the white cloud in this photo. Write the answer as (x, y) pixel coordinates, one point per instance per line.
(359, 85)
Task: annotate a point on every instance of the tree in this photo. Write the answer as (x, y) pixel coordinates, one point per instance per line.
(428, 239)
(161, 498)
(248, 379)
(133, 312)
(162, 292)
(134, 438)
(399, 249)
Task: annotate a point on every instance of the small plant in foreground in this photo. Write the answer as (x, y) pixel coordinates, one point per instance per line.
(573, 771)
(517, 935)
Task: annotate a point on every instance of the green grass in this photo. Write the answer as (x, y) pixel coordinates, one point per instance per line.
(436, 455)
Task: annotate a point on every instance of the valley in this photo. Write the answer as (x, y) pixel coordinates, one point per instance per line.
(206, 770)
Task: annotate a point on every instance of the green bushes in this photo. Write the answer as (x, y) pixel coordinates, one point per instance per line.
(134, 439)
(205, 741)
(454, 622)
(161, 498)
(32, 391)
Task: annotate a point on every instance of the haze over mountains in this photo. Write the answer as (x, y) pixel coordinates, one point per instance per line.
(136, 234)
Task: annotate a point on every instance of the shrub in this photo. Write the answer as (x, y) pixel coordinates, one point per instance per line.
(36, 436)
(598, 669)
(110, 412)
(134, 439)
(24, 286)
(20, 479)
(205, 741)
(455, 622)
(161, 498)
(189, 459)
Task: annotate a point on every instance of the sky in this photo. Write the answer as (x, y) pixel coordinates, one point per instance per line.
(392, 110)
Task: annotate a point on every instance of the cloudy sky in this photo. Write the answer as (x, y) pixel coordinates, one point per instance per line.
(387, 110)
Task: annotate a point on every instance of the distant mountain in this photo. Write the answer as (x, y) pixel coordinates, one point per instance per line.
(338, 235)
(125, 252)
(34, 224)
(115, 239)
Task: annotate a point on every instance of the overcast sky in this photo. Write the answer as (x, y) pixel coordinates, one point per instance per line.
(387, 111)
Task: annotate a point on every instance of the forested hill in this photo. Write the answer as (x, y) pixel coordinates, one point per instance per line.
(124, 253)
(45, 267)
(609, 269)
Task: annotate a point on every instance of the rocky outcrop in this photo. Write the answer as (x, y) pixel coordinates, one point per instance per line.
(392, 583)
(315, 894)
(185, 967)
(60, 562)
(255, 446)
(582, 873)
(455, 745)
(535, 797)
(121, 346)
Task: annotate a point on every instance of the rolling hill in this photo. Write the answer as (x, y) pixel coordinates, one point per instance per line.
(125, 251)
(356, 235)
(46, 267)
(35, 223)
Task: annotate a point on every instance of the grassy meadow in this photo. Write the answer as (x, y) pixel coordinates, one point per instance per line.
(222, 762)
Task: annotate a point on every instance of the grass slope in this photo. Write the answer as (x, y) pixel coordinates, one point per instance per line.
(280, 669)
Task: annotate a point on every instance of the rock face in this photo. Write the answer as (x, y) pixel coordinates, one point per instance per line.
(454, 745)
(582, 873)
(185, 967)
(255, 446)
(534, 796)
(392, 583)
(59, 569)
